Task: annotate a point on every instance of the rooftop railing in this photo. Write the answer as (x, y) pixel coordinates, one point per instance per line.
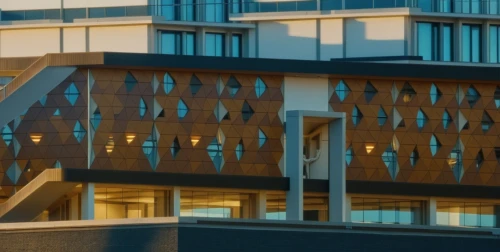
(220, 11)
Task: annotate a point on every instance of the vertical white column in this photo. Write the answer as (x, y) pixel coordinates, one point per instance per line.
(200, 41)
(175, 202)
(294, 161)
(336, 166)
(261, 205)
(432, 211)
(88, 201)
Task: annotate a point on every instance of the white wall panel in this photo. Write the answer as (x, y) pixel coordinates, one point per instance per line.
(306, 93)
(331, 33)
(33, 42)
(74, 40)
(119, 39)
(102, 3)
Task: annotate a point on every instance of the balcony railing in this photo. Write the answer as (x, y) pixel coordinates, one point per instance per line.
(219, 12)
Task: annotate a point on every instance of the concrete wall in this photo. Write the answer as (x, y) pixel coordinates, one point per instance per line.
(101, 3)
(306, 93)
(34, 42)
(56, 4)
(331, 39)
(74, 40)
(366, 37)
(288, 39)
(119, 39)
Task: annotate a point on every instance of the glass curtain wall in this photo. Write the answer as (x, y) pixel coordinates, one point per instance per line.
(177, 42)
(435, 41)
(471, 43)
(469, 214)
(217, 204)
(373, 210)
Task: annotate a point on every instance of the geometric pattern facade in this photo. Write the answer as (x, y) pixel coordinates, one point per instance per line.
(464, 135)
(120, 127)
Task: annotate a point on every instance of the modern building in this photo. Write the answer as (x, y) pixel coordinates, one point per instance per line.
(113, 110)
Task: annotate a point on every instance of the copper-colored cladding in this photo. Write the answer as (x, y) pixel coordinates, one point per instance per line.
(121, 122)
(428, 169)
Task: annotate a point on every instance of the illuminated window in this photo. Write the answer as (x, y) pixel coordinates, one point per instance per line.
(407, 92)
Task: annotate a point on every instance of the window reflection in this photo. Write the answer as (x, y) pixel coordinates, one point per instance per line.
(276, 207)
(469, 214)
(433, 44)
(177, 43)
(373, 210)
(217, 204)
(494, 44)
(236, 50)
(214, 44)
(471, 43)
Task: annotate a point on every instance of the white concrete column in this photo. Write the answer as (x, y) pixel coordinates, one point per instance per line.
(432, 211)
(294, 168)
(336, 166)
(261, 205)
(485, 42)
(88, 201)
(200, 41)
(175, 202)
(348, 208)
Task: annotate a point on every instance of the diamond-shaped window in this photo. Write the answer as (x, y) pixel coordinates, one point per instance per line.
(407, 92)
(175, 148)
(214, 150)
(356, 116)
(221, 112)
(390, 158)
(342, 90)
(96, 118)
(447, 120)
(168, 83)
(260, 87)
(149, 147)
(486, 122)
(71, 93)
(14, 172)
(435, 94)
(57, 113)
(43, 100)
(79, 131)
(435, 145)
(349, 155)
(130, 82)
(497, 97)
(142, 108)
(7, 135)
(472, 96)
(479, 159)
(233, 86)
(381, 117)
(246, 111)
(262, 138)
(195, 85)
(455, 162)
(414, 157)
(182, 109)
(240, 149)
(370, 91)
(421, 119)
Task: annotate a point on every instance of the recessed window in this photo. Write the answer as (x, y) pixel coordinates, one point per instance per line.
(262, 138)
(407, 92)
(72, 93)
(177, 43)
(479, 159)
(130, 82)
(432, 40)
(390, 158)
(472, 96)
(349, 155)
(215, 11)
(260, 87)
(421, 119)
(149, 148)
(381, 117)
(356, 116)
(214, 150)
(236, 50)
(168, 83)
(215, 44)
(435, 94)
(233, 86)
(246, 112)
(182, 109)
(175, 148)
(447, 120)
(79, 132)
(435, 145)
(7, 135)
(240, 149)
(497, 97)
(414, 156)
(195, 85)
(342, 90)
(494, 44)
(96, 118)
(142, 108)
(370, 91)
(471, 43)
(486, 122)
(455, 163)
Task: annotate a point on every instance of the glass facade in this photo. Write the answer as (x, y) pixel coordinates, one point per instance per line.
(471, 43)
(391, 211)
(215, 44)
(434, 43)
(177, 43)
(236, 43)
(469, 214)
(217, 204)
(215, 10)
(276, 207)
(494, 50)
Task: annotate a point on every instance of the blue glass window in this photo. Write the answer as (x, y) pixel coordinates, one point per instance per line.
(262, 138)
(421, 119)
(43, 100)
(79, 132)
(414, 156)
(168, 83)
(57, 113)
(447, 120)
(57, 164)
(472, 96)
(373, 210)
(260, 87)
(72, 14)
(214, 150)
(342, 90)
(349, 155)
(214, 11)
(142, 108)
(214, 44)
(486, 122)
(407, 92)
(178, 10)
(246, 112)
(236, 43)
(390, 158)
(359, 4)
(240, 149)
(494, 44)
(233, 86)
(356, 116)
(435, 94)
(96, 119)
(381, 117)
(72, 93)
(177, 43)
(7, 135)
(149, 148)
(130, 82)
(435, 145)
(471, 43)
(432, 44)
(497, 97)
(479, 159)
(195, 85)
(370, 91)
(182, 109)
(175, 148)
